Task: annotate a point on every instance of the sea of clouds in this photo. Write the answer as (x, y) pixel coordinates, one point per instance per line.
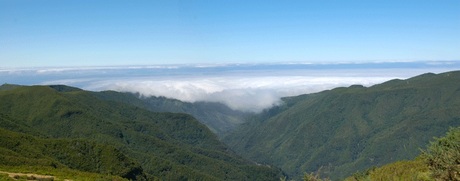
(247, 87)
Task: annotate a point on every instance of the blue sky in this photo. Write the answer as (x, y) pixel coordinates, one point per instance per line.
(100, 33)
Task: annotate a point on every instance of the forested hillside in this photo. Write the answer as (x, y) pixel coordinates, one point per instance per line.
(344, 130)
(217, 116)
(28, 153)
(439, 161)
(71, 128)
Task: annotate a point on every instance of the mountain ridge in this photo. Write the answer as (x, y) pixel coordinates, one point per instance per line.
(347, 129)
(218, 117)
(166, 145)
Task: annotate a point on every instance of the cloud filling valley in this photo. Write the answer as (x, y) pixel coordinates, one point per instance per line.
(241, 87)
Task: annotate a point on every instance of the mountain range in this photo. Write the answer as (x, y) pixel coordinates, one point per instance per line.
(340, 131)
(334, 133)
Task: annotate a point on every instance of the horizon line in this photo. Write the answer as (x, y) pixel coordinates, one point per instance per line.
(210, 65)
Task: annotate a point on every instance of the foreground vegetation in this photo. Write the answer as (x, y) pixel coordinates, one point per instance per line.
(24, 153)
(440, 161)
(52, 174)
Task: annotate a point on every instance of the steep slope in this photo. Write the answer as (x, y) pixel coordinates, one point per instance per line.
(439, 161)
(18, 149)
(345, 130)
(167, 145)
(216, 116)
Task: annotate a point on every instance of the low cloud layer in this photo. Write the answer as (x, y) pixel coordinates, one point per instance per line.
(240, 93)
(241, 87)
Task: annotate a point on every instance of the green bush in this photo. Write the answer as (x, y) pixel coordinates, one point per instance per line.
(402, 170)
(443, 156)
(440, 161)
(5, 177)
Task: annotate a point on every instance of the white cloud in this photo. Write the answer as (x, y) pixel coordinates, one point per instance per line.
(241, 93)
(241, 87)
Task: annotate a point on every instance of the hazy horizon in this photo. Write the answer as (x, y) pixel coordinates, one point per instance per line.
(246, 87)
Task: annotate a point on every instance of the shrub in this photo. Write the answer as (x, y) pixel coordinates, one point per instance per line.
(443, 156)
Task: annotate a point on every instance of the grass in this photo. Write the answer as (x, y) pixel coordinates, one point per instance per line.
(56, 173)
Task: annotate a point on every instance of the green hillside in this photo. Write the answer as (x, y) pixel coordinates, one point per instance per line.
(169, 146)
(344, 130)
(439, 161)
(219, 118)
(23, 152)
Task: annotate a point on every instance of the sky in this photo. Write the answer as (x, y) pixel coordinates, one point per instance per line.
(56, 33)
